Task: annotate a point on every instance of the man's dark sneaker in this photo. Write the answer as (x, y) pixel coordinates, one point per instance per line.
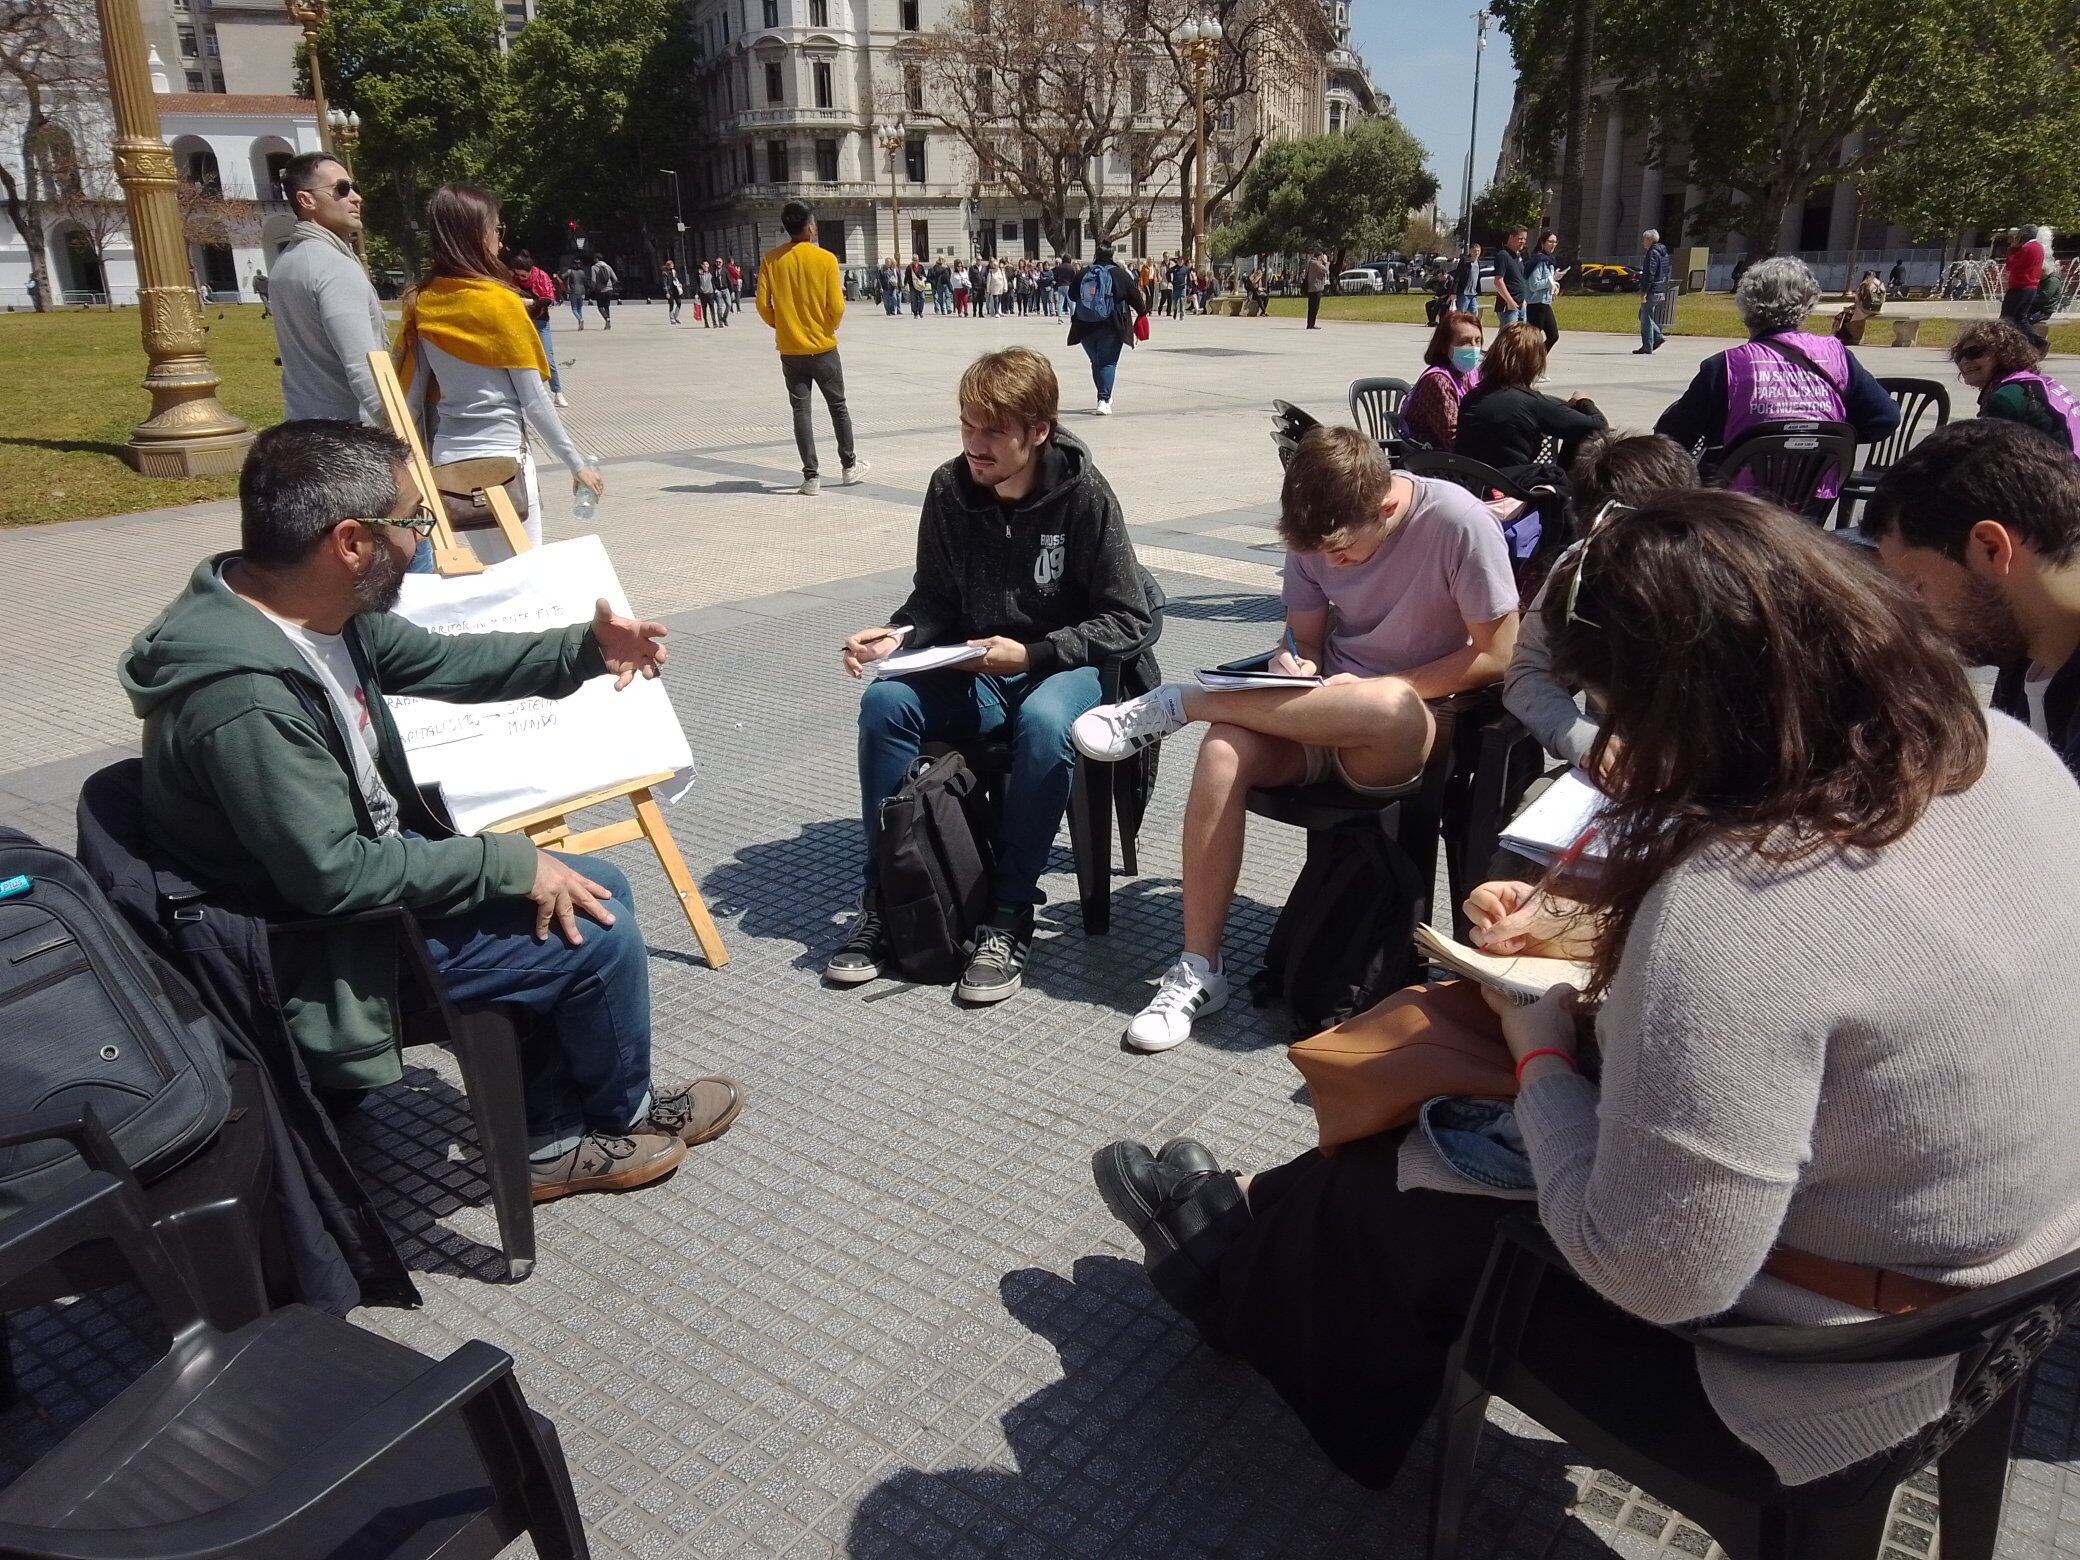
(997, 967)
(1184, 1219)
(604, 1163)
(698, 1112)
(861, 957)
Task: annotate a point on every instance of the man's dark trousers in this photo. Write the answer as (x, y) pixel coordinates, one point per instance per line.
(825, 373)
(1314, 307)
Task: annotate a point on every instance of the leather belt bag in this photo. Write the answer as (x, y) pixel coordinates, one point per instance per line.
(462, 484)
(1866, 1288)
(1373, 1072)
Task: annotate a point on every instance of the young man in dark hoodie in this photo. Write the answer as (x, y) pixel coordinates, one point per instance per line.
(1021, 550)
(273, 773)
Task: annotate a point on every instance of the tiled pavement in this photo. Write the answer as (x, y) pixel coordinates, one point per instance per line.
(886, 1315)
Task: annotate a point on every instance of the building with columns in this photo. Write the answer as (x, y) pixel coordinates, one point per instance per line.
(1349, 93)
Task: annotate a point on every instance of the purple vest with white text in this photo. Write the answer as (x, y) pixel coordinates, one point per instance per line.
(2059, 399)
(1764, 385)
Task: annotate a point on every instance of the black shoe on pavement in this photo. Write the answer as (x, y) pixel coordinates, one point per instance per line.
(1184, 1219)
(1641, 351)
(860, 959)
(1187, 1154)
(997, 966)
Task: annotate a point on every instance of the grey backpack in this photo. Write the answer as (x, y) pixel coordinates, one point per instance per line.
(89, 1016)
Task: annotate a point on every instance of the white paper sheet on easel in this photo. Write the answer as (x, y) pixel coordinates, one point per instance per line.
(498, 761)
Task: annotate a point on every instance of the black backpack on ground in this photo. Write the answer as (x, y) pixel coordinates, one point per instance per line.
(88, 1018)
(933, 863)
(1345, 939)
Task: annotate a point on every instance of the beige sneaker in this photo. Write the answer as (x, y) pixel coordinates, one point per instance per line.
(607, 1164)
(698, 1112)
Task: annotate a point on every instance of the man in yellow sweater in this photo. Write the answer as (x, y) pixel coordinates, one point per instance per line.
(800, 296)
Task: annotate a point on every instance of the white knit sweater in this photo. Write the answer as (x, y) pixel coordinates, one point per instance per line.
(1876, 1060)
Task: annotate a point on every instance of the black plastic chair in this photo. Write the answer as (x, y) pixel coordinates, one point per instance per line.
(1506, 760)
(1790, 463)
(1998, 1332)
(1099, 792)
(297, 1435)
(1376, 407)
(485, 1042)
(1918, 400)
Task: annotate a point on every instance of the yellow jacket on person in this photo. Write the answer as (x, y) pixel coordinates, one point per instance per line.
(800, 296)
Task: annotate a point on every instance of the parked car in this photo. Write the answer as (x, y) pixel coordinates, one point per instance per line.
(1362, 279)
(1603, 276)
(1393, 270)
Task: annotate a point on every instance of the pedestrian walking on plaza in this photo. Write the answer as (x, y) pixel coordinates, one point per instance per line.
(602, 283)
(1542, 279)
(960, 288)
(1180, 282)
(1466, 281)
(1101, 321)
(1897, 281)
(1064, 281)
(674, 291)
(917, 283)
(2028, 265)
(327, 318)
(710, 296)
(467, 342)
(891, 287)
(725, 293)
(999, 285)
(1314, 282)
(573, 279)
(260, 292)
(538, 287)
(1654, 277)
(801, 296)
(942, 287)
(1510, 281)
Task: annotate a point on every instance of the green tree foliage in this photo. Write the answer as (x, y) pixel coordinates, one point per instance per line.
(601, 100)
(427, 79)
(1500, 207)
(1346, 194)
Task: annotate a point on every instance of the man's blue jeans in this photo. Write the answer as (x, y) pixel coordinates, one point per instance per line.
(897, 717)
(1467, 303)
(1650, 333)
(585, 1057)
(1103, 347)
(1508, 317)
(891, 300)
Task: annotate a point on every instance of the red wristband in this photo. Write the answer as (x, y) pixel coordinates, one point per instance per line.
(1545, 1050)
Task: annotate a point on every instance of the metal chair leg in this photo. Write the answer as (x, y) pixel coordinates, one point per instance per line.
(1464, 1413)
(488, 1049)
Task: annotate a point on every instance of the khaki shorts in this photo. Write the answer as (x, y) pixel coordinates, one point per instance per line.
(1326, 763)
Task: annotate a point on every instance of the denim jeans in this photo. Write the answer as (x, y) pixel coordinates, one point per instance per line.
(541, 327)
(1650, 334)
(891, 300)
(1508, 317)
(942, 300)
(1467, 303)
(823, 371)
(577, 303)
(897, 718)
(585, 1056)
(1103, 347)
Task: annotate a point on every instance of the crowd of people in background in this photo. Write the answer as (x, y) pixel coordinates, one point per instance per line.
(988, 287)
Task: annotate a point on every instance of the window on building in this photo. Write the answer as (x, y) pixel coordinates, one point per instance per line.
(1137, 93)
(216, 81)
(187, 38)
(819, 13)
(913, 89)
(1227, 118)
(821, 72)
(1336, 119)
(775, 89)
(776, 161)
(984, 94)
(195, 82)
(909, 15)
(725, 29)
(771, 13)
(209, 44)
(913, 159)
(750, 167)
(827, 161)
(180, 7)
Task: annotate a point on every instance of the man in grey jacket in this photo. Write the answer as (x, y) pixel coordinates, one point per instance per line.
(327, 318)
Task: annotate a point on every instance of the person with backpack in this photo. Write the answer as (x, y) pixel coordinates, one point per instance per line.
(273, 774)
(1398, 589)
(603, 283)
(1780, 372)
(1022, 552)
(1101, 319)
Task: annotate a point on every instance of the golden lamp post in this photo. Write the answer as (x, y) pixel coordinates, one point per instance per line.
(189, 433)
(1201, 36)
(891, 138)
(310, 16)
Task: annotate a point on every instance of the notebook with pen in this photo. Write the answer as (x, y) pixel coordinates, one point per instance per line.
(1253, 672)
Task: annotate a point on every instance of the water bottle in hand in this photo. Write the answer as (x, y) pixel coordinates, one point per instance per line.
(585, 502)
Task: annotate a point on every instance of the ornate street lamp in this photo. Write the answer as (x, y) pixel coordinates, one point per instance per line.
(1201, 37)
(189, 433)
(346, 133)
(892, 138)
(310, 16)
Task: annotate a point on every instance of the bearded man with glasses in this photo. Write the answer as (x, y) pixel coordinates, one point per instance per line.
(327, 318)
(274, 774)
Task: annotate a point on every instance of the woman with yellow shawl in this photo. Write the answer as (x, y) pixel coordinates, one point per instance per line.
(473, 369)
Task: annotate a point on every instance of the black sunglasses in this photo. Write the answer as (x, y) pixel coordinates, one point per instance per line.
(344, 188)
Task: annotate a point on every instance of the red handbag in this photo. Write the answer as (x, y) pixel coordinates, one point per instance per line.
(1141, 327)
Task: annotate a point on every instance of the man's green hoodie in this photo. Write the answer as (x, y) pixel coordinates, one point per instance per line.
(249, 787)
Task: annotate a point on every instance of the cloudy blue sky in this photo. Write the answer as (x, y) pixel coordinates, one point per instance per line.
(1421, 54)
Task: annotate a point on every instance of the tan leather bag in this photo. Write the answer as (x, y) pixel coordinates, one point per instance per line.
(1373, 1072)
(462, 484)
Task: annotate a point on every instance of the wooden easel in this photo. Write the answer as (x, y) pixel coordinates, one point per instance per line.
(550, 827)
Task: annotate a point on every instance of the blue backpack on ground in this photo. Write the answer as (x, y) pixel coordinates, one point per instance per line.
(1094, 295)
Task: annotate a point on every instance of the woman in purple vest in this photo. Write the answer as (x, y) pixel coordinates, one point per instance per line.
(1996, 359)
(1430, 413)
(1782, 371)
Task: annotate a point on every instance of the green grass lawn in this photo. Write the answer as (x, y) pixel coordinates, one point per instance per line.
(70, 393)
(1701, 314)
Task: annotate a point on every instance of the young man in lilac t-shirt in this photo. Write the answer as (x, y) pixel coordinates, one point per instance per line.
(1416, 577)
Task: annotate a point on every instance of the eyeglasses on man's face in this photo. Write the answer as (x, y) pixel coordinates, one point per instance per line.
(420, 523)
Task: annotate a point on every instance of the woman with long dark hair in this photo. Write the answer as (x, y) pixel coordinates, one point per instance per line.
(1819, 1074)
(470, 355)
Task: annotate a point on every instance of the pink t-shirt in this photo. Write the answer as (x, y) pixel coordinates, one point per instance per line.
(1443, 567)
